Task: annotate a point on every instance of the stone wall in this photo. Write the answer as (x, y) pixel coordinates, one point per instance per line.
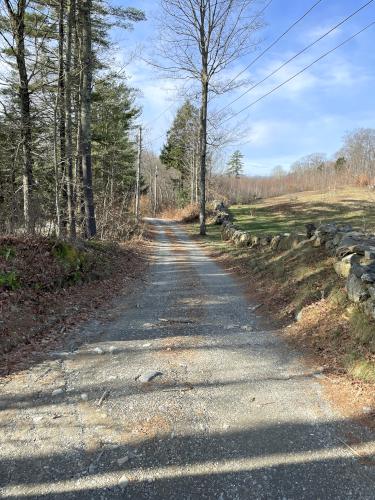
(354, 250)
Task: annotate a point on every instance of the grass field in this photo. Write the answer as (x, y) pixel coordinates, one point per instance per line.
(289, 213)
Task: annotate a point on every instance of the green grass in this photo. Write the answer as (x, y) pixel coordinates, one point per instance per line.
(9, 280)
(360, 368)
(290, 213)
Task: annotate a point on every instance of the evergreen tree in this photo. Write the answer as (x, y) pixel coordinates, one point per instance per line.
(181, 148)
(235, 164)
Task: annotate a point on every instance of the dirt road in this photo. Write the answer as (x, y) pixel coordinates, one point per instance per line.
(182, 394)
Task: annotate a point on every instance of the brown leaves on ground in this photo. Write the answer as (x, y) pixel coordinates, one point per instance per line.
(56, 290)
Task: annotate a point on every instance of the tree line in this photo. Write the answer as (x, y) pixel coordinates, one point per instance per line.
(352, 165)
(66, 118)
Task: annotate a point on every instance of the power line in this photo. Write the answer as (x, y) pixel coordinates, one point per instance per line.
(275, 41)
(161, 114)
(298, 54)
(300, 72)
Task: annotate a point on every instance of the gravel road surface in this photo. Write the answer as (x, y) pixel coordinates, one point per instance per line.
(179, 392)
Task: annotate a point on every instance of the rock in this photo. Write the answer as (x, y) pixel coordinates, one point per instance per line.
(330, 245)
(254, 241)
(344, 266)
(98, 350)
(357, 290)
(355, 242)
(370, 254)
(92, 468)
(368, 277)
(246, 328)
(84, 396)
(148, 376)
(265, 241)
(220, 206)
(371, 291)
(275, 242)
(310, 230)
(357, 269)
(329, 228)
(337, 239)
(113, 349)
(290, 240)
(299, 315)
(318, 241)
(221, 217)
(57, 392)
(148, 325)
(123, 460)
(244, 240)
(123, 481)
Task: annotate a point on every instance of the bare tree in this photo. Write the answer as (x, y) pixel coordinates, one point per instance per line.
(200, 39)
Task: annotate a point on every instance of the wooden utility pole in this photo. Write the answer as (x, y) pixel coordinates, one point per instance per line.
(138, 176)
(156, 190)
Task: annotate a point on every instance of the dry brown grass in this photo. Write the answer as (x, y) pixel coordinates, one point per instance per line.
(187, 214)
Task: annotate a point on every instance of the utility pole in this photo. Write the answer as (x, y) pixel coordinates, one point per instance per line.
(155, 190)
(138, 176)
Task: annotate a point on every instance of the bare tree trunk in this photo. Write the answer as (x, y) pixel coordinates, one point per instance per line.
(156, 190)
(192, 175)
(77, 171)
(138, 176)
(203, 154)
(68, 121)
(18, 22)
(87, 62)
(57, 174)
(61, 116)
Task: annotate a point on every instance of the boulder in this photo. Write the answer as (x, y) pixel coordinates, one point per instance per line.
(355, 242)
(254, 240)
(310, 229)
(265, 241)
(228, 231)
(221, 217)
(290, 240)
(370, 253)
(331, 232)
(236, 235)
(330, 246)
(368, 277)
(244, 240)
(357, 290)
(275, 242)
(344, 266)
(219, 206)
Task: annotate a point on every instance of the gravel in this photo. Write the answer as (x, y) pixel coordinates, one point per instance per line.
(222, 408)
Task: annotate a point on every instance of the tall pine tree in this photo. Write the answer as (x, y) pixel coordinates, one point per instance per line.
(235, 164)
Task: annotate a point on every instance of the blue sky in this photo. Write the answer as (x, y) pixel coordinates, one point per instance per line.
(309, 115)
